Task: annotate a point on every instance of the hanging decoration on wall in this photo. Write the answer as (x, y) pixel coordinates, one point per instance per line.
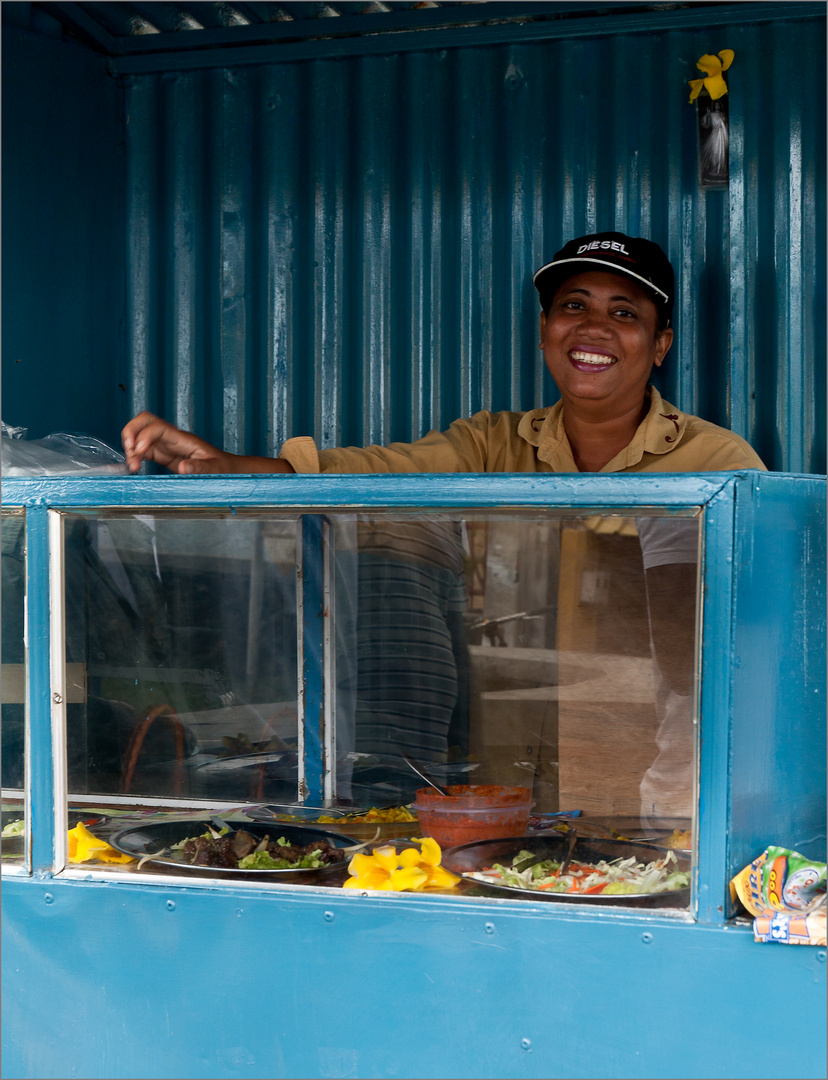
(709, 95)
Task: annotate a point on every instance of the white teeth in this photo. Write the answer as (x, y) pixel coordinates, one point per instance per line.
(592, 358)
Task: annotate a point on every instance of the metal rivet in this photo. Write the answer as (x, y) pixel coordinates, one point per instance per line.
(58, 700)
(646, 937)
(238, 912)
(329, 916)
(49, 898)
(489, 927)
(526, 1044)
(821, 957)
(171, 905)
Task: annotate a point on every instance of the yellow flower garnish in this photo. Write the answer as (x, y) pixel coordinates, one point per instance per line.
(409, 857)
(83, 846)
(408, 870)
(440, 878)
(431, 851)
(385, 858)
(713, 67)
(408, 877)
(378, 880)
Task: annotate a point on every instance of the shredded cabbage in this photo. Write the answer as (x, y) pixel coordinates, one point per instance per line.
(615, 878)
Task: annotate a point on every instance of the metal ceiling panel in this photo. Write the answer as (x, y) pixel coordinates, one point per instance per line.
(135, 29)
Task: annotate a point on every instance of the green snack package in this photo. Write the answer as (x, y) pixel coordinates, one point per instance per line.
(780, 880)
(785, 892)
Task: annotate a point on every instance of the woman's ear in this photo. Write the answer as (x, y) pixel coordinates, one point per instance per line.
(542, 326)
(663, 342)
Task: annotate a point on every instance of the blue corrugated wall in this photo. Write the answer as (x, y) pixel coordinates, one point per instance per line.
(344, 246)
(64, 355)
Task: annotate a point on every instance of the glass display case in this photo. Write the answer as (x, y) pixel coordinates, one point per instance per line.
(644, 656)
(234, 648)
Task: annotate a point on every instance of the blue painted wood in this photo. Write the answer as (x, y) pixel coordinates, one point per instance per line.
(38, 747)
(778, 739)
(116, 980)
(461, 489)
(715, 703)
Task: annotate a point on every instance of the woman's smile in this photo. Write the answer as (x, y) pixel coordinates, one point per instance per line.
(591, 360)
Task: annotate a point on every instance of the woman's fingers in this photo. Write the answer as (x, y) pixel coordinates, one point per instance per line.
(148, 437)
(204, 465)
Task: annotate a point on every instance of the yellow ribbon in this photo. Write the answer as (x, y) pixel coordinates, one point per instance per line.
(713, 67)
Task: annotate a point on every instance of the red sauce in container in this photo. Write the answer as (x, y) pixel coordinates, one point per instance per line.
(472, 812)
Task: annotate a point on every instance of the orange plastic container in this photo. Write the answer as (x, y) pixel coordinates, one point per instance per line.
(472, 812)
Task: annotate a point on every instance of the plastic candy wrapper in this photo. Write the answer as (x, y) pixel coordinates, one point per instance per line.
(59, 454)
(785, 892)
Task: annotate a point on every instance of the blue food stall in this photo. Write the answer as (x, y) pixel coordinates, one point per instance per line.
(272, 220)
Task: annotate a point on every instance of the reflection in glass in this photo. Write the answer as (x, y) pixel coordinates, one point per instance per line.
(550, 651)
(13, 682)
(182, 632)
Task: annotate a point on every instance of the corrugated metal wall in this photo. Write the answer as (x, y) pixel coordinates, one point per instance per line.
(63, 273)
(344, 247)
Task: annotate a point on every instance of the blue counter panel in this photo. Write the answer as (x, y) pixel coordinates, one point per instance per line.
(117, 980)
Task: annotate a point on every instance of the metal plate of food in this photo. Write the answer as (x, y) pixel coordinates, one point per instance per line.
(194, 844)
(372, 823)
(531, 861)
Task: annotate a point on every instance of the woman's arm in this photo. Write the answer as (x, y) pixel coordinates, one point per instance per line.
(148, 437)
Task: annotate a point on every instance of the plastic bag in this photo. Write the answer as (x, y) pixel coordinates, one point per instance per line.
(59, 454)
(786, 894)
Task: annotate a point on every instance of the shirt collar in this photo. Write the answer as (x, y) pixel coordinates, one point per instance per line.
(661, 430)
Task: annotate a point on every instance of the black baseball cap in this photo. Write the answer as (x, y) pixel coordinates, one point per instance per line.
(640, 259)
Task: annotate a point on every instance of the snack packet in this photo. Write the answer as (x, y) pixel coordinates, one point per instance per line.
(785, 892)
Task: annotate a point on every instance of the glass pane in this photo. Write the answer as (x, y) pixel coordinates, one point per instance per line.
(13, 683)
(181, 644)
(547, 650)
(550, 650)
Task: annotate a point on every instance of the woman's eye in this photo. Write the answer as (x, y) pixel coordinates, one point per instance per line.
(625, 313)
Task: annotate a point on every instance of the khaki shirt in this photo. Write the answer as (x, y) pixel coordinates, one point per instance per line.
(666, 441)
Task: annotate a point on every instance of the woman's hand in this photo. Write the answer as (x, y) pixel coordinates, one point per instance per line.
(148, 437)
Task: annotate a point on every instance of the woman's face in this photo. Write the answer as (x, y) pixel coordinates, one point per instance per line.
(600, 341)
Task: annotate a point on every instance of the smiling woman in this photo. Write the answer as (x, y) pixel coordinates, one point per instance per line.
(607, 303)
